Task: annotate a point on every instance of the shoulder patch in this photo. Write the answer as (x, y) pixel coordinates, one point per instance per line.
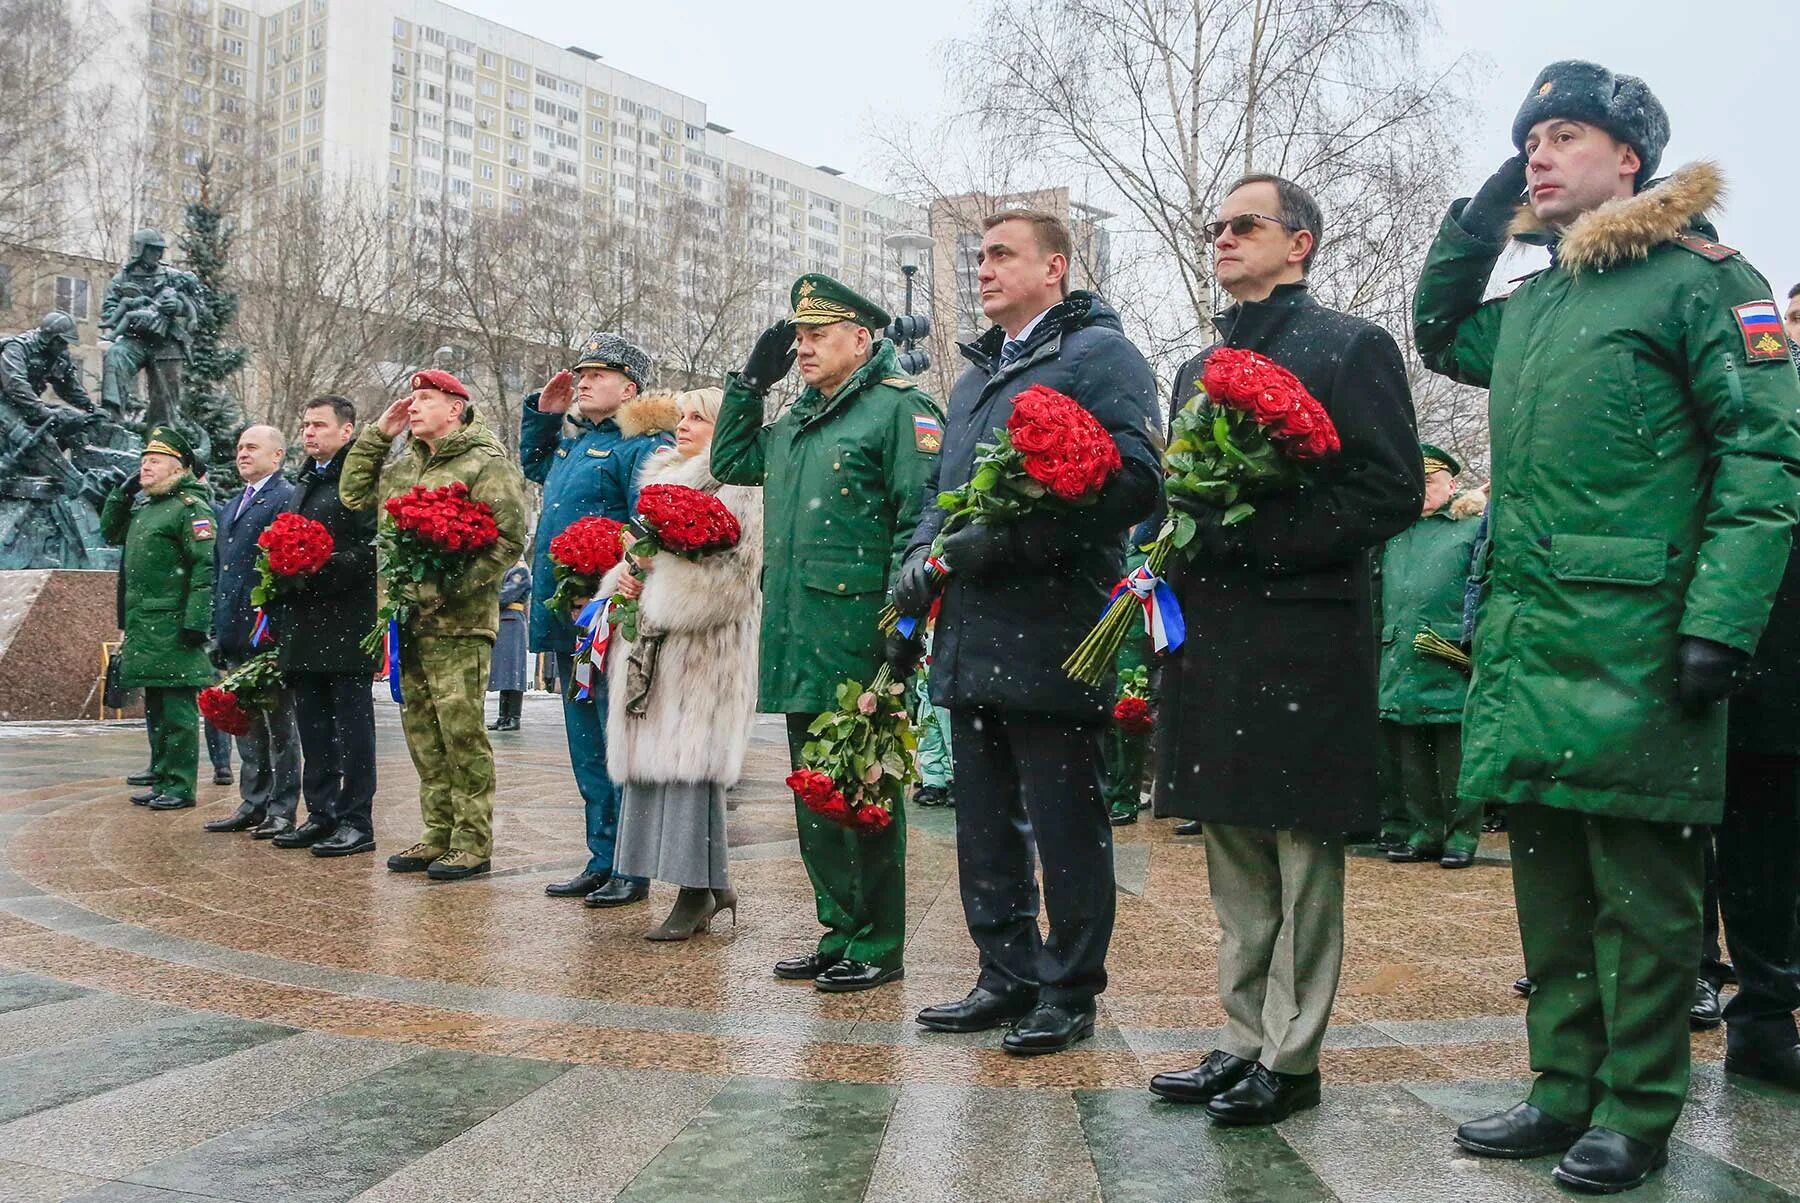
(203, 528)
(1718, 252)
(1760, 324)
(599, 453)
(928, 434)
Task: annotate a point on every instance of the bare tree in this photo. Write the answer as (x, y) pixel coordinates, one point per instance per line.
(703, 311)
(43, 82)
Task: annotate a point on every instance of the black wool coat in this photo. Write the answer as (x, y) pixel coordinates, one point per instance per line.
(1268, 711)
(234, 563)
(1002, 638)
(319, 625)
(1765, 714)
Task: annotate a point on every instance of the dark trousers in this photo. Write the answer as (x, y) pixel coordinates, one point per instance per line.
(218, 748)
(336, 716)
(1754, 881)
(1021, 778)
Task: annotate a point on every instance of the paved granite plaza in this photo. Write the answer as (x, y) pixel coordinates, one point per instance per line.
(187, 1016)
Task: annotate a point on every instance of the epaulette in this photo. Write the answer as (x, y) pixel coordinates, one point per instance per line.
(898, 382)
(1718, 252)
(188, 499)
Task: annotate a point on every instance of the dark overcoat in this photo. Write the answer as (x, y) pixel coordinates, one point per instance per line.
(1268, 714)
(507, 670)
(1765, 715)
(1001, 639)
(318, 626)
(233, 616)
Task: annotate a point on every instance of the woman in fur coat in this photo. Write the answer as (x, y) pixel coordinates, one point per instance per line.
(680, 699)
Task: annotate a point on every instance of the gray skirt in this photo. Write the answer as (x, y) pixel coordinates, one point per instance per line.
(673, 831)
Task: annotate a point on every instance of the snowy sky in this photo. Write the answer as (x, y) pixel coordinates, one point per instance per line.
(811, 81)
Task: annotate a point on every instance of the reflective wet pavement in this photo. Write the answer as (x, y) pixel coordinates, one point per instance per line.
(193, 1016)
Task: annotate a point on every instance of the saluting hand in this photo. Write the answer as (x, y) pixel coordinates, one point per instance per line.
(558, 393)
(393, 420)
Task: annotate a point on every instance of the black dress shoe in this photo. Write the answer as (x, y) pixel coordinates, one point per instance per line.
(1456, 860)
(1778, 1067)
(305, 835)
(169, 802)
(1519, 1132)
(1524, 987)
(1706, 1013)
(617, 892)
(243, 820)
(1049, 1028)
(271, 827)
(847, 977)
(221, 776)
(931, 795)
(1123, 818)
(1205, 1082)
(806, 968)
(1191, 827)
(981, 1010)
(578, 886)
(1604, 1162)
(347, 840)
(1406, 854)
(147, 777)
(1265, 1097)
(143, 799)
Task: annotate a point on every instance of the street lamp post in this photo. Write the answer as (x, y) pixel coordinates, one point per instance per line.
(910, 247)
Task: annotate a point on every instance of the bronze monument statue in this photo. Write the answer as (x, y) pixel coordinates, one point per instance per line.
(148, 313)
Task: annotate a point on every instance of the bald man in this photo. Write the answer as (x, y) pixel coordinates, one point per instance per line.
(270, 750)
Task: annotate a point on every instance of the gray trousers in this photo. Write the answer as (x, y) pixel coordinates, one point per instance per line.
(1279, 896)
(269, 775)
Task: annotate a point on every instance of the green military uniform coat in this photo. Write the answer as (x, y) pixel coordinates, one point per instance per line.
(843, 481)
(168, 588)
(445, 650)
(1645, 459)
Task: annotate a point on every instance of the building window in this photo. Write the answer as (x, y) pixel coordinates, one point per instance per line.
(5, 286)
(71, 295)
(489, 61)
(400, 29)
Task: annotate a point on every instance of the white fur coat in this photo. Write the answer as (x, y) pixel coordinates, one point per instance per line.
(696, 723)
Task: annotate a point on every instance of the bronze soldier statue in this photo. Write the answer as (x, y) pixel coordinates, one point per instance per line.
(148, 312)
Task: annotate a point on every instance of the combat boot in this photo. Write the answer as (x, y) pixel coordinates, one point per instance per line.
(416, 859)
(454, 866)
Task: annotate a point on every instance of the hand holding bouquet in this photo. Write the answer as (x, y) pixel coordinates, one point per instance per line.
(432, 535)
(856, 768)
(232, 704)
(1052, 455)
(1250, 431)
(584, 552)
(680, 520)
(291, 548)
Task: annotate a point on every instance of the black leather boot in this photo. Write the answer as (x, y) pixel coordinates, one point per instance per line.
(1604, 1162)
(1519, 1132)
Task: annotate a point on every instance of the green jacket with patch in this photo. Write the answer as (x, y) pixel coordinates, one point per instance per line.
(469, 602)
(1645, 465)
(1424, 570)
(168, 583)
(843, 480)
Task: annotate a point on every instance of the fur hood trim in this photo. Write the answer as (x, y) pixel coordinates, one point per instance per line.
(1628, 228)
(1468, 505)
(651, 413)
(667, 466)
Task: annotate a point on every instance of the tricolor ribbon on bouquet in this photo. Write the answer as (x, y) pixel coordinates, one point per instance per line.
(390, 658)
(1162, 613)
(936, 570)
(594, 633)
(259, 633)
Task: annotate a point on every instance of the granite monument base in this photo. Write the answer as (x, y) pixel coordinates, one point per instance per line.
(52, 624)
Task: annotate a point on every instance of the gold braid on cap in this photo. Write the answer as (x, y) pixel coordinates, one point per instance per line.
(817, 311)
(1434, 464)
(161, 448)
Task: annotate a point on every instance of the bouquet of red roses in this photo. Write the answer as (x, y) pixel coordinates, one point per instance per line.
(678, 519)
(231, 705)
(1053, 454)
(584, 552)
(291, 547)
(1253, 429)
(857, 766)
(1131, 713)
(433, 533)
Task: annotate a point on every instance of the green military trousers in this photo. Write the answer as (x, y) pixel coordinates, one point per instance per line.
(859, 881)
(444, 682)
(1122, 756)
(1426, 759)
(174, 725)
(1609, 914)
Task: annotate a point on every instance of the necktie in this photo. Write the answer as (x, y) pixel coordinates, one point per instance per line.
(1010, 350)
(249, 494)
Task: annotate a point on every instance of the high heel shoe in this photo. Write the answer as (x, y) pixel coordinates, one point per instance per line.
(693, 910)
(725, 900)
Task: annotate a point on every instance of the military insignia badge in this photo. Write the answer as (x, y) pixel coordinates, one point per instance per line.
(928, 435)
(1760, 324)
(1549, 86)
(203, 528)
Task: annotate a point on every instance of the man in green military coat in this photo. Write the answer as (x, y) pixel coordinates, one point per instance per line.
(1646, 458)
(1424, 571)
(164, 519)
(843, 472)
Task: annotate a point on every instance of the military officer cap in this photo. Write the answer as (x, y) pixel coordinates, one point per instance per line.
(604, 349)
(60, 325)
(166, 440)
(1439, 460)
(1622, 105)
(819, 300)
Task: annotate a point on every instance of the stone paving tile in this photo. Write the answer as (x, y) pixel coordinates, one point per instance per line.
(92, 1014)
(947, 1144)
(23, 1183)
(21, 990)
(1745, 1123)
(1146, 1150)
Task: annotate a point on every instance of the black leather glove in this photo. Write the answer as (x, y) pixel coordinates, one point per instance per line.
(1706, 672)
(913, 588)
(1491, 210)
(1213, 540)
(770, 359)
(190, 638)
(131, 485)
(978, 550)
(902, 655)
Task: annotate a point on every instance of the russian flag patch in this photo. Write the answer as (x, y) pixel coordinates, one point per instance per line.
(203, 528)
(1760, 324)
(927, 433)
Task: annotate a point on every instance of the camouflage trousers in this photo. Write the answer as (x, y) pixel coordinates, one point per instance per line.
(444, 681)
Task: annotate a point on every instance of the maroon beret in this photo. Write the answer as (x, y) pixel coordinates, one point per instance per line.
(442, 381)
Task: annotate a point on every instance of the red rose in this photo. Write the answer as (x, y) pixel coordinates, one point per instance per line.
(870, 818)
(221, 709)
(1133, 716)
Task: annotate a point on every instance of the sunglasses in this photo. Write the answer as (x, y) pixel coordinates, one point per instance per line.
(1241, 225)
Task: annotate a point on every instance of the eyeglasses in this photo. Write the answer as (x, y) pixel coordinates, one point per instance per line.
(1241, 225)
